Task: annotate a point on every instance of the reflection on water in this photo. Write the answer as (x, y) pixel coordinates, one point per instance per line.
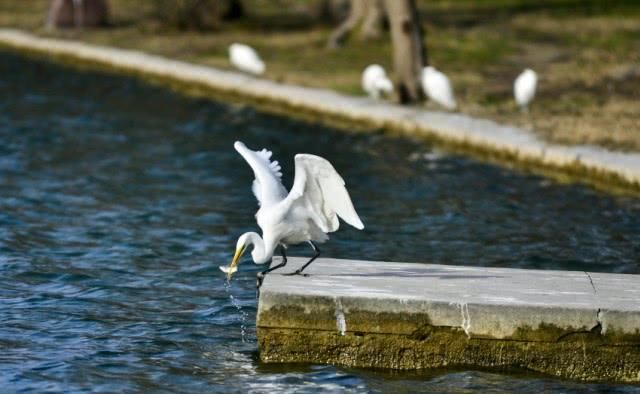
(119, 201)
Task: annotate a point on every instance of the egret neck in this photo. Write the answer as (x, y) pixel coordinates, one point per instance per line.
(260, 254)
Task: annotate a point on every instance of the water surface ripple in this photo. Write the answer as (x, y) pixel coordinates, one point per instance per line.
(119, 201)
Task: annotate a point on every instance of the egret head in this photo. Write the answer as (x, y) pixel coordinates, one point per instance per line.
(257, 254)
(241, 246)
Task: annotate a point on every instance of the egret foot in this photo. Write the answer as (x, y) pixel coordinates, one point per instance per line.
(315, 256)
(259, 280)
(260, 276)
(297, 272)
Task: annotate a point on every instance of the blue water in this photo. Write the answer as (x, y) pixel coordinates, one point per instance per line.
(120, 200)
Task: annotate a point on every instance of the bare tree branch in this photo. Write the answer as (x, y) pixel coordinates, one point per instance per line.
(369, 14)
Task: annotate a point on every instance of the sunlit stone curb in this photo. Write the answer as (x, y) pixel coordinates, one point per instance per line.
(576, 325)
(485, 138)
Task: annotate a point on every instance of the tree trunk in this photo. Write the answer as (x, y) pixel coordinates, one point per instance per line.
(60, 14)
(409, 53)
(373, 19)
(78, 13)
(369, 14)
(235, 10)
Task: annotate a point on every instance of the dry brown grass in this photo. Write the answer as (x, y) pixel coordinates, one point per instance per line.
(587, 56)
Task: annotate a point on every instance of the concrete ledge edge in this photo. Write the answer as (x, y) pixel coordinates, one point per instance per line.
(603, 168)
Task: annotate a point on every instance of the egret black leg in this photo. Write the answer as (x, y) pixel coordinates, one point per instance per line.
(315, 256)
(284, 262)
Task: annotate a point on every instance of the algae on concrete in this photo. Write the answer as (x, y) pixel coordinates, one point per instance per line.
(582, 356)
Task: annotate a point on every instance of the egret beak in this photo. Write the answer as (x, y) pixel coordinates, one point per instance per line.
(234, 262)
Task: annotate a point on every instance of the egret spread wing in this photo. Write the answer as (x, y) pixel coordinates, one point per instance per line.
(268, 185)
(320, 190)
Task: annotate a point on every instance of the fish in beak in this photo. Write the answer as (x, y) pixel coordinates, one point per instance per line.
(233, 267)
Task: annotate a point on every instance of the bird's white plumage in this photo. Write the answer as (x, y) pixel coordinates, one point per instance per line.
(246, 59)
(309, 211)
(267, 185)
(319, 188)
(524, 87)
(437, 87)
(375, 81)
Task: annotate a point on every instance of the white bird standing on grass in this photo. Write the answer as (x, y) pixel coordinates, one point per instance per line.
(438, 88)
(524, 88)
(306, 214)
(246, 59)
(375, 81)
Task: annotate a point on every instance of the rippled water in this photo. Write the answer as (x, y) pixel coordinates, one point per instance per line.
(120, 200)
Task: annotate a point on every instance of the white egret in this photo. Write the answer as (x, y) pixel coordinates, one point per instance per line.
(524, 88)
(306, 214)
(246, 59)
(438, 88)
(375, 81)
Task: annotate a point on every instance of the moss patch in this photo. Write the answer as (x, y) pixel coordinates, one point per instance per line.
(307, 332)
(575, 357)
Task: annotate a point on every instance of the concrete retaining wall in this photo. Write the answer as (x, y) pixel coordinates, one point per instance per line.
(484, 138)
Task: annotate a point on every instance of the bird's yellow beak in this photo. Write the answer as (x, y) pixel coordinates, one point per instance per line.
(234, 262)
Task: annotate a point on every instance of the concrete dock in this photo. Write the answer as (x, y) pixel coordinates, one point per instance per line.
(570, 324)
